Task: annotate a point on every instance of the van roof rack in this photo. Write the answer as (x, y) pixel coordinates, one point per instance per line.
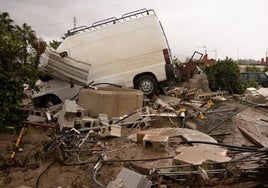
(110, 21)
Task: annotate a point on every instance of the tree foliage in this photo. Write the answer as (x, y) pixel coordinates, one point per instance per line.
(39, 46)
(15, 70)
(248, 61)
(224, 75)
(252, 68)
(54, 44)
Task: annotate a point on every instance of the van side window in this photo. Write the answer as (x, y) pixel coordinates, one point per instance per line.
(64, 54)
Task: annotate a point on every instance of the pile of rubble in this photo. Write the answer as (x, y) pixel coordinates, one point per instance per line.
(118, 138)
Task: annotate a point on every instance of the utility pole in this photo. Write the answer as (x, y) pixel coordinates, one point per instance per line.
(266, 57)
(74, 19)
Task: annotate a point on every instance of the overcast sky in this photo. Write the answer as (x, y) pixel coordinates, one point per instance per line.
(233, 28)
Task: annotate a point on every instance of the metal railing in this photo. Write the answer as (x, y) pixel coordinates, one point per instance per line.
(111, 21)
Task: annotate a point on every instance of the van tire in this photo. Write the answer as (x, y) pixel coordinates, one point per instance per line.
(147, 84)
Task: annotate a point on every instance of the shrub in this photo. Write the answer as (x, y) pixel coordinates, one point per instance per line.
(224, 75)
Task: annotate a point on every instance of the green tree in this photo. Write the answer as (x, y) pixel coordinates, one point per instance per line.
(54, 44)
(224, 75)
(27, 36)
(39, 47)
(13, 72)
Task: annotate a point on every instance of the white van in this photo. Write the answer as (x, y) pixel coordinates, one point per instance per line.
(130, 51)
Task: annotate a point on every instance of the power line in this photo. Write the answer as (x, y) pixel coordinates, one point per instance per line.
(44, 25)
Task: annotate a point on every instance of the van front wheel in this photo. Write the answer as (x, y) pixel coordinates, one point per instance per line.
(147, 84)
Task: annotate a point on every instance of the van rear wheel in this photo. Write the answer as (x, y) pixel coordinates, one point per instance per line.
(147, 84)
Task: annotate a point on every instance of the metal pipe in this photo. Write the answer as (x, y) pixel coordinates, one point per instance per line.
(39, 124)
(95, 173)
(11, 160)
(211, 163)
(89, 128)
(215, 171)
(219, 144)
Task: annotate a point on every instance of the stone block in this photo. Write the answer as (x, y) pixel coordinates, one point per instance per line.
(114, 102)
(103, 118)
(158, 142)
(86, 122)
(67, 114)
(116, 130)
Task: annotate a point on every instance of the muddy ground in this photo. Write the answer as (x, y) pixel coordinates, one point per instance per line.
(37, 164)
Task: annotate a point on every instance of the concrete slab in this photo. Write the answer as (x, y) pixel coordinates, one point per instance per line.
(253, 135)
(186, 134)
(114, 102)
(130, 179)
(200, 154)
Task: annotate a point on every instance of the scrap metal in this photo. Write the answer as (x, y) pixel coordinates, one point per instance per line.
(11, 160)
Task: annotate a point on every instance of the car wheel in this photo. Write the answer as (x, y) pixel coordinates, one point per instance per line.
(147, 84)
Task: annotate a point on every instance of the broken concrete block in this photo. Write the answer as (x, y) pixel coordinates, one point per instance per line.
(130, 179)
(103, 118)
(67, 114)
(158, 142)
(199, 154)
(114, 102)
(86, 122)
(104, 131)
(140, 135)
(116, 130)
(81, 112)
